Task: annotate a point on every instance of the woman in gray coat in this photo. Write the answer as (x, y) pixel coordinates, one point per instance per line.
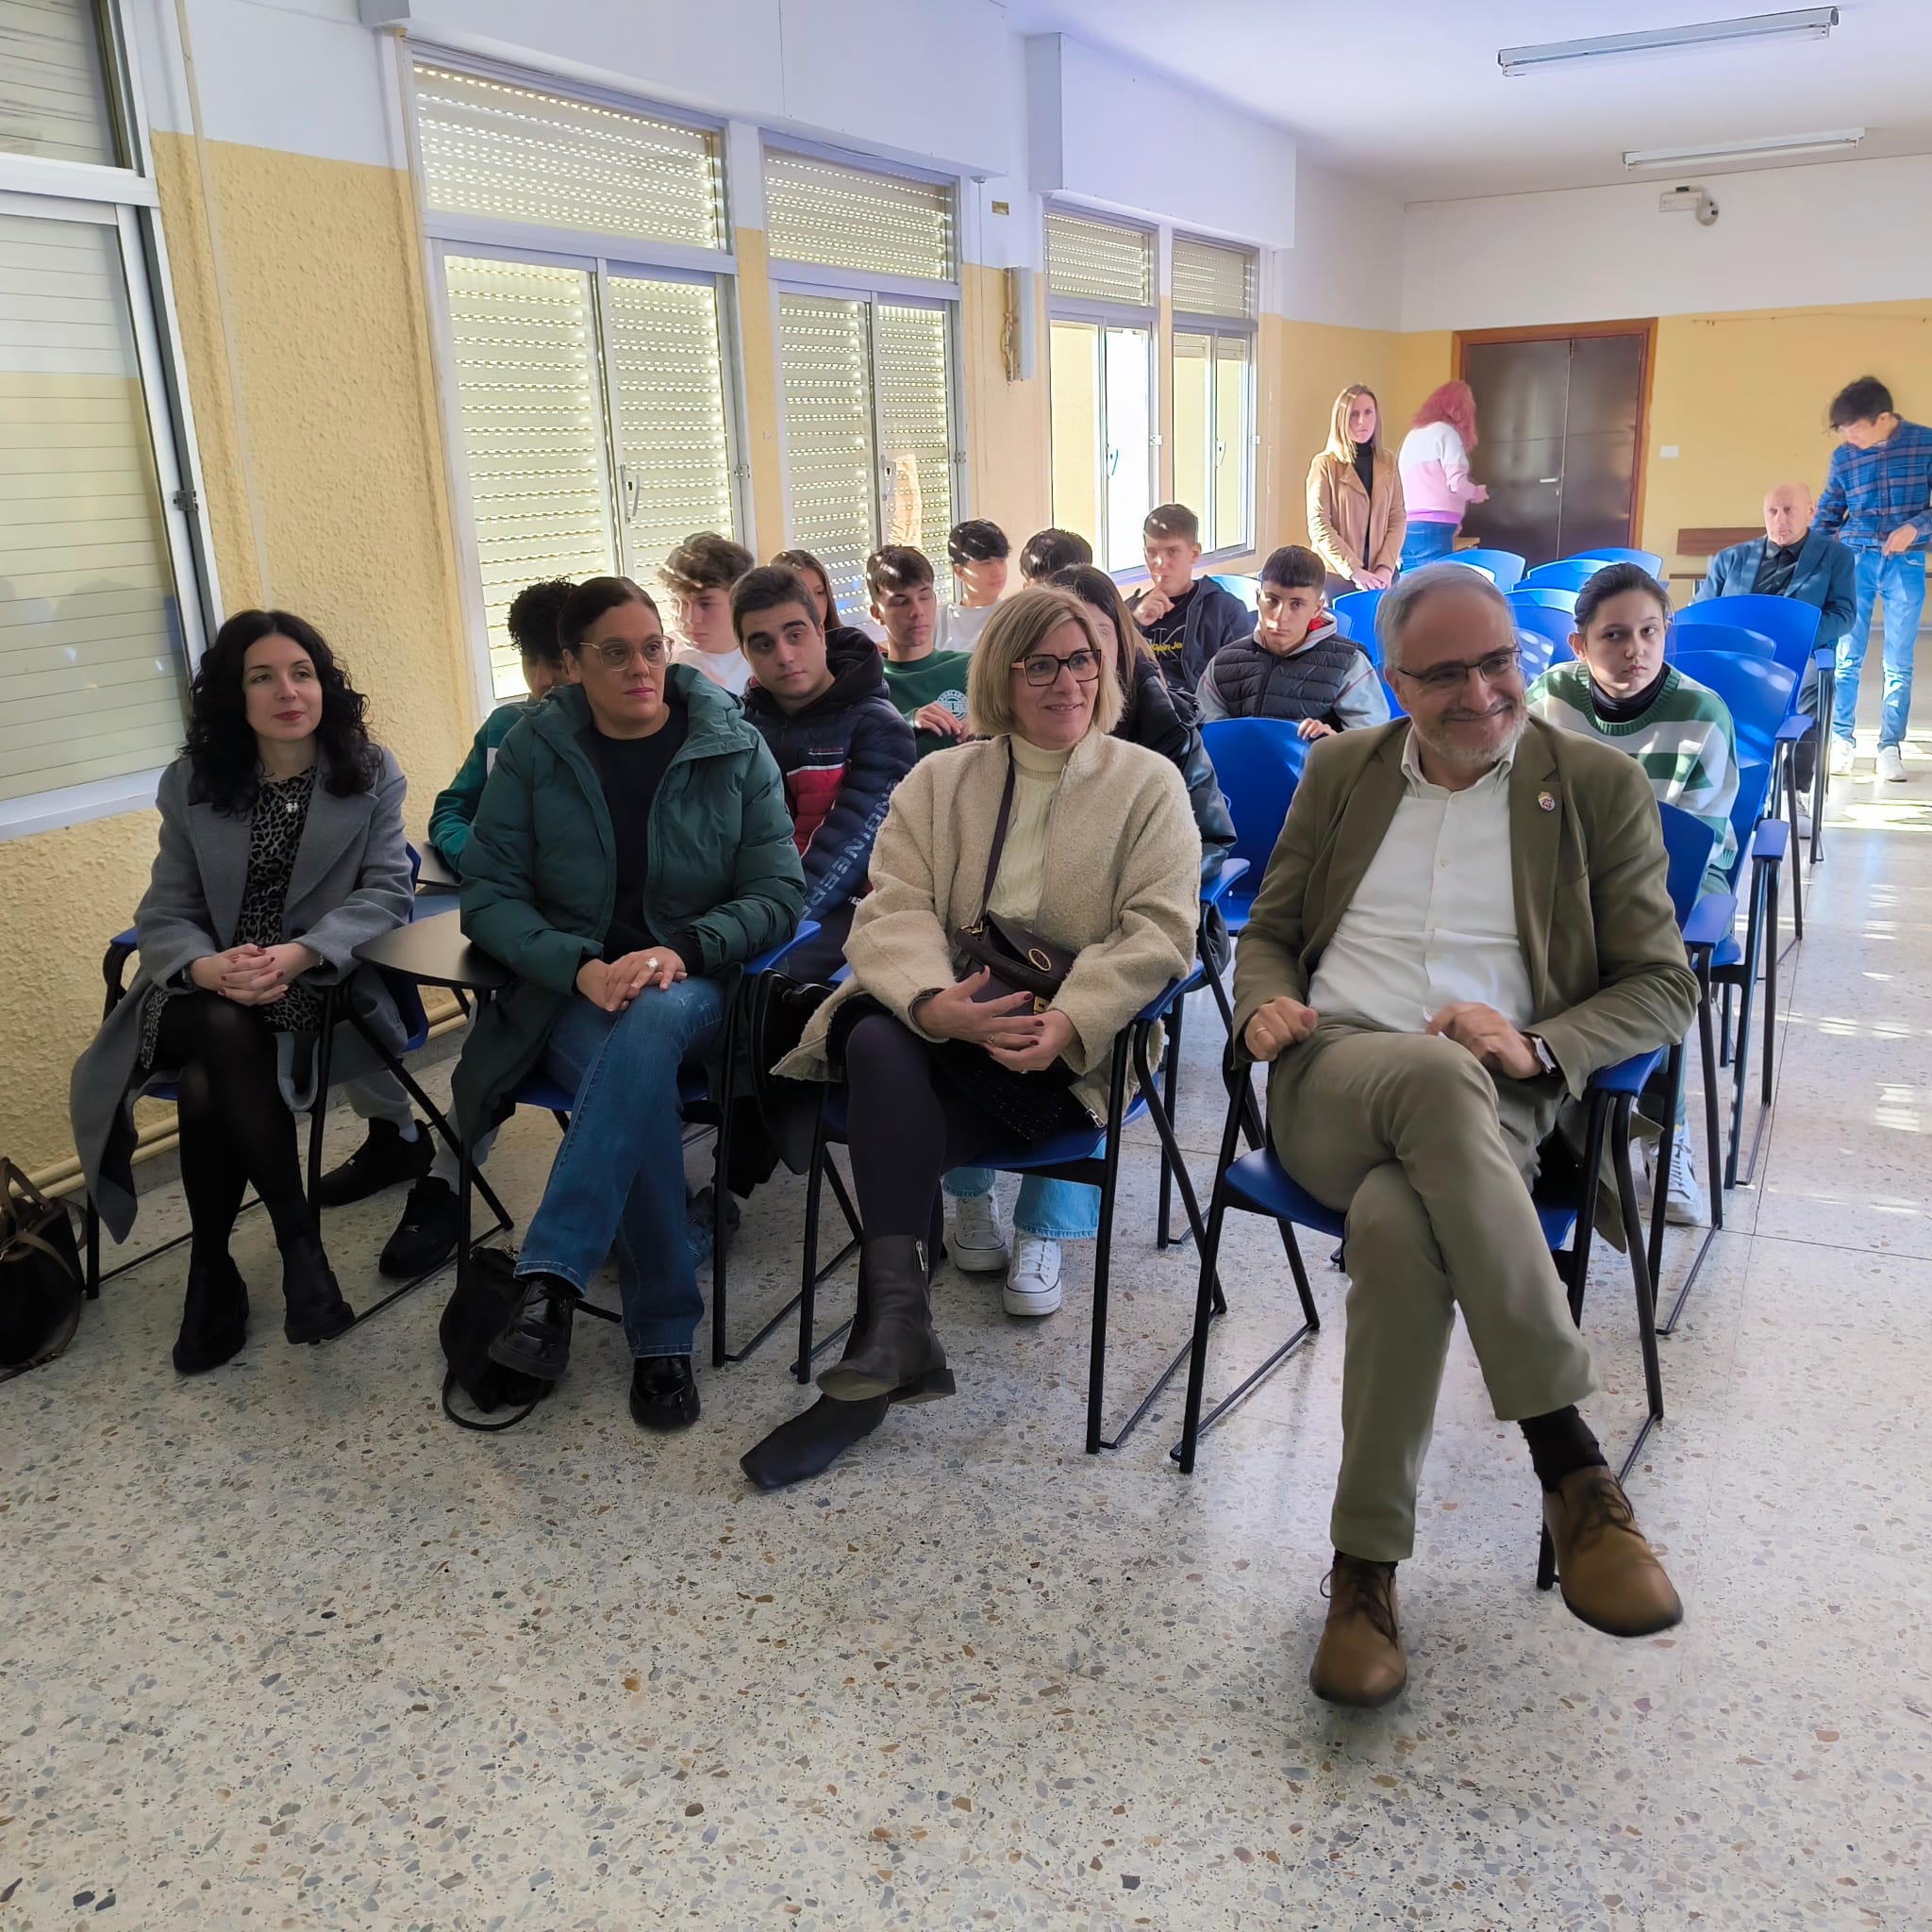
(281, 852)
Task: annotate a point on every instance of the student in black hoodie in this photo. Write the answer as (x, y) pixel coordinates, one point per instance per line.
(818, 699)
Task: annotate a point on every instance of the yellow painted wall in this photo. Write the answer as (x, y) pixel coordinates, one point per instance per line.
(1305, 366)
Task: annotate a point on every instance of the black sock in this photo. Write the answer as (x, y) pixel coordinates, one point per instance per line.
(1560, 1444)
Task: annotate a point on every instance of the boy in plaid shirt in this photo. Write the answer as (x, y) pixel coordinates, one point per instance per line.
(1877, 502)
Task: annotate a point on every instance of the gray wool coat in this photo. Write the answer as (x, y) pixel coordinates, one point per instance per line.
(351, 882)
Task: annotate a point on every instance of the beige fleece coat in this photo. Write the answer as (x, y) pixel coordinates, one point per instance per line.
(1121, 888)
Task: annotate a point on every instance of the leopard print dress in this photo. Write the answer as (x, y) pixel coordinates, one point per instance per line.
(274, 836)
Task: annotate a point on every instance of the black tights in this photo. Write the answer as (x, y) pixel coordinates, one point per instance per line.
(906, 1128)
(236, 1128)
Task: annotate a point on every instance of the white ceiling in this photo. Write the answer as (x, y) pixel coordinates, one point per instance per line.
(1406, 93)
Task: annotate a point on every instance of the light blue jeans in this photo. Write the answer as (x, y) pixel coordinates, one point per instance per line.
(1427, 543)
(1047, 1210)
(619, 1176)
(1899, 584)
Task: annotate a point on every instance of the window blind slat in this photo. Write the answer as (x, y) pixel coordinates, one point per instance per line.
(52, 93)
(915, 420)
(511, 153)
(529, 387)
(1092, 260)
(91, 657)
(843, 217)
(667, 381)
(1212, 280)
(825, 371)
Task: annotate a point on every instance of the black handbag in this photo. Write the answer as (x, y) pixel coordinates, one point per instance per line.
(40, 1276)
(781, 1115)
(480, 1306)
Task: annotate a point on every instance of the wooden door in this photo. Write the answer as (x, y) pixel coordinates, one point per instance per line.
(1560, 414)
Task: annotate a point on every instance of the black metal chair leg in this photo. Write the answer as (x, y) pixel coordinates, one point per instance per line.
(325, 1049)
(1769, 983)
(1163, 1237)
(1096, 1354)
(809, 1277)
(1790, 760)
(1740, 1059)
(1659, 1193)
(721, 1157)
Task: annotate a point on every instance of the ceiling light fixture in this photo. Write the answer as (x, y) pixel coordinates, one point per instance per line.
(1838, 139)
(1801, 24)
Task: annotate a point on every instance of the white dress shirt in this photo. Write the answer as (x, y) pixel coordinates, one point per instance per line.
(1434, 919)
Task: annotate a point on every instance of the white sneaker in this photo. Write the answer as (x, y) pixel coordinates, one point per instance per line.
(1891, 764)
(1033, 1288)
(1684, 1202)
(975, 1240)
(1803, 822)
(1844, 753)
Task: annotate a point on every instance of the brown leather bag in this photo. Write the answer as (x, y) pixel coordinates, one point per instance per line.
(1019, 958)
(40, 1276)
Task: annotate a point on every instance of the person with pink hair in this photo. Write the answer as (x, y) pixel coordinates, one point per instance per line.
(1435, 472)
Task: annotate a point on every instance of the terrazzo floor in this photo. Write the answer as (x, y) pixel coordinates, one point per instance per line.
(282, 1648)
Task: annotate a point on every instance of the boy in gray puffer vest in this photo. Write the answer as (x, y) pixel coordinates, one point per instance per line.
(1297, 665)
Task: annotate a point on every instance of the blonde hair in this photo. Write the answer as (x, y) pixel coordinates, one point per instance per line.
(1016, 630)
(1341, 443)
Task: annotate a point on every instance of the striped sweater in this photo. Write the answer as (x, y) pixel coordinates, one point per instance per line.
(1684, 743)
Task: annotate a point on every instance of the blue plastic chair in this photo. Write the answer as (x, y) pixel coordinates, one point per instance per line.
(1615, 554)
(1247, 589)
(1790, 626)
(1089, 1156)
(1550, 628)
(1548, 596)
(1731, 639)
(1570, 573)
(1505, 566)
(1360, 608)
(1536, 652)
(1757, 691)
(1258, 762)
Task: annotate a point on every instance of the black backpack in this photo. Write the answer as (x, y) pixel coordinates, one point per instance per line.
(480, 1307)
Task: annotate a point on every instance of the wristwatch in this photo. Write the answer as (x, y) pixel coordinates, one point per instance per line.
(1544, 1058)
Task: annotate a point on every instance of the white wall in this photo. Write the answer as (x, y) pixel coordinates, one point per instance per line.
(1844, 231)
(1346, 263)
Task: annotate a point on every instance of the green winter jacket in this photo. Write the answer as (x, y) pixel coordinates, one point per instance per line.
(539, 872)
(456, 803)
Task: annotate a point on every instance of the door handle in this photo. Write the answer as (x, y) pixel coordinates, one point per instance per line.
(1549, 479)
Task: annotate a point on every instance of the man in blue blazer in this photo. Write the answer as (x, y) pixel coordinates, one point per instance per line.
(1791, 559)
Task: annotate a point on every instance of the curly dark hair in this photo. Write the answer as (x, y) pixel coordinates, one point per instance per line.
(221, 746)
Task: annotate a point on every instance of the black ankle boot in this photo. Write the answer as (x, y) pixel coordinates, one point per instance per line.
(808, 1444)
(537, 1341)
(316, 1310)
(901, 1356)
(382, 1160)
(214, 1317)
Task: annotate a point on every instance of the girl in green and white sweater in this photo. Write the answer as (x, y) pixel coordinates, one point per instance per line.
(1620, 689)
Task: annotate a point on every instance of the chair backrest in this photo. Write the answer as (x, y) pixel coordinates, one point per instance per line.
(1258, 762)
(1549, 626)
(1757, 691)
(1247, 589)
(1504, 566)
(1395, 709)
(1569, 573)
(1547, 595)
(1792, 626)
(1730, 639)
(1360, 608)
(1688, 843)
(1615, 554)
(1538, 651)
(1754, 799)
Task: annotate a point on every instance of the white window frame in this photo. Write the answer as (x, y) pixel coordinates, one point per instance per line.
(124, 198)
(789, 276)
(598, 253)
(1247, 329)
(1111, 315)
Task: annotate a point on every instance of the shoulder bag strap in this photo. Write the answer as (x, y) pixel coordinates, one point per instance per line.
(999, 838)
(463, 1422)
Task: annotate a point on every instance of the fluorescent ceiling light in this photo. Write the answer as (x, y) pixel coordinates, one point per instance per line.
(1745, 150)
(1802, 24)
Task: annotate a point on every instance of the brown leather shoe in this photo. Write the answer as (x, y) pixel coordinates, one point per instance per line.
(1359, 1661)
(1610, 1578)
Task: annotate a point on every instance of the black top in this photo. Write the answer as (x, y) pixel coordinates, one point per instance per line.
(1365, 469)
(1167, 634)
(1621, 711)
(630, 770)
(1775, 573)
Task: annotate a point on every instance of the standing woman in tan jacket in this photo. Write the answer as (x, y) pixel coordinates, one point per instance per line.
(1356, 515)
(1099, 857)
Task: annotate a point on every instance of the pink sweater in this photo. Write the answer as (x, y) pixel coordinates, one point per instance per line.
(1435, 475)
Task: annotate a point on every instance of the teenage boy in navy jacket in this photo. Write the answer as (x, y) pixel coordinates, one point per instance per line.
(818, 699)
(1186, 619)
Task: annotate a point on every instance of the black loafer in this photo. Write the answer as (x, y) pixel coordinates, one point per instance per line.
(663, 1392)
(382, 1160)
(537, 1342)
(427, 1236)
(313, 1309)
(214, 1318)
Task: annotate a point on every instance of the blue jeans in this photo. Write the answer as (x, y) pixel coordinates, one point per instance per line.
(1899, 584)
(619, 1176)
(1047, 1210)
(1427, 543)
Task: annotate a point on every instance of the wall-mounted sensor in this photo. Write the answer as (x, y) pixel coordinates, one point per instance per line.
(1694, 200)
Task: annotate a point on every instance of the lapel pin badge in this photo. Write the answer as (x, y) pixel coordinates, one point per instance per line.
(1545, 801)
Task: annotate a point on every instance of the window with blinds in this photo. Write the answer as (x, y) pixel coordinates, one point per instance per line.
(92, 665)
(53, 85)
(831, 468)
(1214, 434)
(915, 429)
(509, 153)
(1092, 261)
(530, 401)
(843, 217)
(1210, 278)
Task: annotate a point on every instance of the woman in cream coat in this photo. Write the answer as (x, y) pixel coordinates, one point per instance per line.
(1101, 857)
